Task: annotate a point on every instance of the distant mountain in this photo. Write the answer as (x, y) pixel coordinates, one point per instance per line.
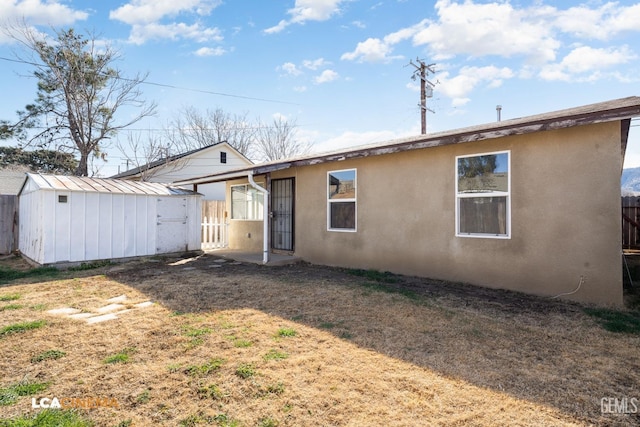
(630, 181)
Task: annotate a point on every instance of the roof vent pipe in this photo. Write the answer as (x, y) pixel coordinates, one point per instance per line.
(499, 110)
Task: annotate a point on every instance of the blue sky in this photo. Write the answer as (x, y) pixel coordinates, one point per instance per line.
(340, 68)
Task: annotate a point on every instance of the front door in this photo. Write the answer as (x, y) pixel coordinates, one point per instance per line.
(282, 195)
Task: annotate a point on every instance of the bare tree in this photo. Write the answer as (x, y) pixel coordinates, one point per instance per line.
(278, 140)
(79, 92)
(193, 129)
(148, 154)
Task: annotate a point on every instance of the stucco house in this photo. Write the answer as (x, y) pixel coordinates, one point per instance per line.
(210, 159)
(530, 204)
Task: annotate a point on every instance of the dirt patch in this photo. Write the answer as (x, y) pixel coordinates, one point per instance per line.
(366, 350)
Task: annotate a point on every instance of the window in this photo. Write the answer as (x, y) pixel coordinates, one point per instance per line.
(62, 199)
(223, 157)
(246, 203)
(483, 195)
(341, 200)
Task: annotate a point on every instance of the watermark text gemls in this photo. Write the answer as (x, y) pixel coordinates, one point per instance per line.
(624, 405)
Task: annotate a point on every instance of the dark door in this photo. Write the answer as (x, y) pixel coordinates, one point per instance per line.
(282, 195)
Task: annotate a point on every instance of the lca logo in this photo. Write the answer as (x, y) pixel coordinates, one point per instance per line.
(74, 402)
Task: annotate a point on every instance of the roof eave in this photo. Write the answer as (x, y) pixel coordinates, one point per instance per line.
(621, 109)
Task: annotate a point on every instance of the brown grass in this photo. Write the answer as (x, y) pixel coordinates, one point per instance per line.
(435, 354)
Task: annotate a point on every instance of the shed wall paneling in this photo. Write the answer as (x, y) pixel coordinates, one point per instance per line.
(92, 226)
(142, 210)
(117, 228)
(130, 211)
(105, 230)
(77, 226)
(41, 226)
(151, 225)
(45, 223)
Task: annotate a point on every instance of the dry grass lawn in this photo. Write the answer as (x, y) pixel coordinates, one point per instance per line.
(303, 345)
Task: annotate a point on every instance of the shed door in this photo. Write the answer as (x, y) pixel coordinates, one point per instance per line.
(282, 193)
(172, 225)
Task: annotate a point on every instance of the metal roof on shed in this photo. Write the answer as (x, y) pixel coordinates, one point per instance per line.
(103, 185)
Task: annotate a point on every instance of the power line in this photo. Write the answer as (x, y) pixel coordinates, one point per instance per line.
(208, 92)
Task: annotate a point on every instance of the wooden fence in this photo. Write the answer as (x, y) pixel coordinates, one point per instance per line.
(214, 225)
(8, 224)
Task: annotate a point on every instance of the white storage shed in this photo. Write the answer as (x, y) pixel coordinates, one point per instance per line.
(68, 219)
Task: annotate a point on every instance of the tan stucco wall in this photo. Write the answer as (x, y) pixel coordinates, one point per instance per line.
(565, 213)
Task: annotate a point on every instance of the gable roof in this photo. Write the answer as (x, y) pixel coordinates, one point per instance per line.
(618, 109)
(166, 160)
(11, 179)
(100, 185)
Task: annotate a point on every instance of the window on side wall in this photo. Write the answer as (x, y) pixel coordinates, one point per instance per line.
(223, 157)
(483, 195)
(246, 203)
(341, 200)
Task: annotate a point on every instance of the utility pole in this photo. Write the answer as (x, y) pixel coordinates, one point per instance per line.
(426, 88)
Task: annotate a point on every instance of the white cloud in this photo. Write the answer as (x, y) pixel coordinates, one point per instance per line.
(210, 51)
(601, 23)
(151, 19)
(149, 11)
(315, 64)
(536, 36)
(377, 50)
(141, 33)
(277, 28)
(370, 50)
(290, 69)
(458, 87)
(586, 58)
(38, 12)
(489, 29)
(586, 63)
(326, 76)
(308, 10)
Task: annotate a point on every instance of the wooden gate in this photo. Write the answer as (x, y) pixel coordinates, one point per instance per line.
(214, 225)
(631, 222)
(8, 223)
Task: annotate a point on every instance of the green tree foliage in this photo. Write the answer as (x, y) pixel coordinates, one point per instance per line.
(79, 93)
(45, 161)
(471, 167)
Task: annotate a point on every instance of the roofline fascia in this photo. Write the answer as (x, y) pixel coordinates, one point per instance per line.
(518, 126)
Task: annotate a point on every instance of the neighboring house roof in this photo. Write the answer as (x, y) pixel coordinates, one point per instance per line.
(167, 160)
(101, 185)
(11, 179)
(618, 109)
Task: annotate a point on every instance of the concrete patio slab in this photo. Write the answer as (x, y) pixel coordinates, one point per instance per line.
(256, 257)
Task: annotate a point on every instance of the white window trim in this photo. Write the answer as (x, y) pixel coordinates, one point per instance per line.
(506, 194)
(231, 198)
(329, 201)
